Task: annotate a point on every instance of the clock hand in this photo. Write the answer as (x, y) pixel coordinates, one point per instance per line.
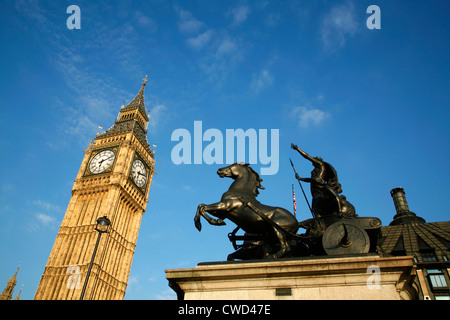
(101, 161)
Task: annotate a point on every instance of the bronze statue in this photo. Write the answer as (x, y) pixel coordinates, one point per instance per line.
(272, 227)
(335, 227)
(271, 232)
(325, 188)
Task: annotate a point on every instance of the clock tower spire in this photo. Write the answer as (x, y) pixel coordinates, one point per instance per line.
(132, 117)
(113, 181)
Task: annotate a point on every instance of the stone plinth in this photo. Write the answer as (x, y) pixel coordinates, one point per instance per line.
(357, 277)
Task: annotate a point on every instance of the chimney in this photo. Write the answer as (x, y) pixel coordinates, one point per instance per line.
(403, 216)
(398, 195)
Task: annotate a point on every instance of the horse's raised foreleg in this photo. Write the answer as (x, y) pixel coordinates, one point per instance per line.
(197, 221)
(211, 208)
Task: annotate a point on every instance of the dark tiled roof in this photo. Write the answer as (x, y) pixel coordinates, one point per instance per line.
(416, 238)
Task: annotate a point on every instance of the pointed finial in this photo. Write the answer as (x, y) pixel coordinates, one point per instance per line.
(18, 296)
(144, 81)
(100, 127)
(18, 267)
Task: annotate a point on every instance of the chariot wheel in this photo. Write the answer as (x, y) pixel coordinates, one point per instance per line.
(345, 238)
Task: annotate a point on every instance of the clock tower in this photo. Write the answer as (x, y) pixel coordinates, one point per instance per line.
(113, 181)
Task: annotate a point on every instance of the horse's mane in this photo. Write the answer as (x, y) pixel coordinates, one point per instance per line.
(257, 177)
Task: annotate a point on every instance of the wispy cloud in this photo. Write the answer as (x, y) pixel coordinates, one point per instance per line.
(261, 81)
(45, 219)
(239, 15)
(307, 117)
(218, 51)
(32, 9)
(273, 19)
(133, 280)
(188, 188)
(96, 97)
(158, 115)
(224, 55)
(45, 205)
(187, 23)
(226, 47)
(146, 22)
(7, 187)
(338, 25)
(43, 215)
(201, 40)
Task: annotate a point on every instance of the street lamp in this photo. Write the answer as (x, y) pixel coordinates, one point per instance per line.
(102, 224)
(102, 227)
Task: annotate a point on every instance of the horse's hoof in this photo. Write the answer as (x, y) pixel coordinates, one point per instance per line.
(277, 255)
(198, 225)
(220, 222)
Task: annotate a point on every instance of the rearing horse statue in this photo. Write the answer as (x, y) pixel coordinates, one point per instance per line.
(275, 225)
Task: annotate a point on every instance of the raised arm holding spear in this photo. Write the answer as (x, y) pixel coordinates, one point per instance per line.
(323, 181)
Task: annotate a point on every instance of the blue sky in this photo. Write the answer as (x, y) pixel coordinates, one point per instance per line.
(373, 103)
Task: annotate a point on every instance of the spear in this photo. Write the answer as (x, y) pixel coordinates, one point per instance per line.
(303, 191)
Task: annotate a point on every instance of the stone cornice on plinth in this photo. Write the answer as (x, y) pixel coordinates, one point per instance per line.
(322, 278)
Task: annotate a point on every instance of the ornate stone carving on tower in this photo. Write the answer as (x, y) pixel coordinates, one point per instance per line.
(9, 289)
(114, 181)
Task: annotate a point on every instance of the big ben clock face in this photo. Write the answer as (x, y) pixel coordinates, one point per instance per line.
(101, 161)
(139, 173)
